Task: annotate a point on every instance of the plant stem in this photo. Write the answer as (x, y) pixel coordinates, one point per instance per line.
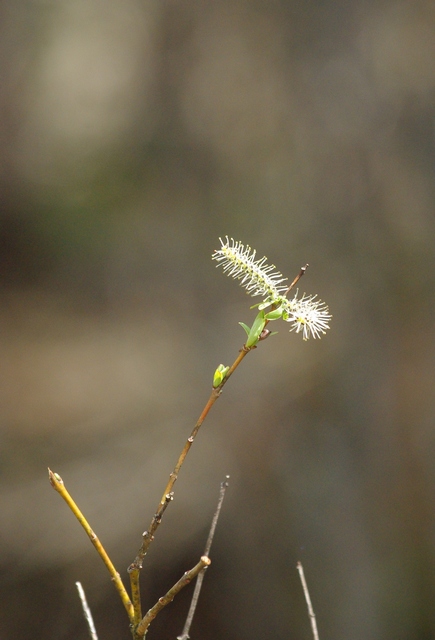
(141, 630)
(201, 574)
(57, 484)
(87, 612)
(148, 536)
(311, 613)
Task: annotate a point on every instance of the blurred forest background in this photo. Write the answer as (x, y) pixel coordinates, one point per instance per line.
(133, 135)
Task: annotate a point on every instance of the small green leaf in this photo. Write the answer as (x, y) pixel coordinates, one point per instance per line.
(256, 329)
(275, 314)
(246, 328)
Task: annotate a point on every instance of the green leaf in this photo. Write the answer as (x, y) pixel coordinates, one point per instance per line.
(256, 329)
(246, 328)
(275, 314)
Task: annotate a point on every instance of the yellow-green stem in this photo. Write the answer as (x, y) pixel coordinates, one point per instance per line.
(57, 484)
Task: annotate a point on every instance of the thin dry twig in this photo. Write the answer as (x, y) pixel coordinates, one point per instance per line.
(200, 578)
(87, 612)
(142, 628)
(57, 484)
(308, 601)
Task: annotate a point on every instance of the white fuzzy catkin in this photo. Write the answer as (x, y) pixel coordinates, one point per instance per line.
(307, 315)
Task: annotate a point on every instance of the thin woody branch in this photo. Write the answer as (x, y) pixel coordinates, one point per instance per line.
(142, 628)
(200, 578)
(57, 484)
(87, 612)
(311, 613)
(148, 535)
(298, 277)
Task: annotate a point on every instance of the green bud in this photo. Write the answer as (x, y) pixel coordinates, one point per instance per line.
(219, 375)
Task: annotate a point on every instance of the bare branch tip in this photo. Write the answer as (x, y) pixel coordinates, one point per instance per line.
(54, 478)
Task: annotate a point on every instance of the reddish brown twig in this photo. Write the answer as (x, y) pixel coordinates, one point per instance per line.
(148, 536)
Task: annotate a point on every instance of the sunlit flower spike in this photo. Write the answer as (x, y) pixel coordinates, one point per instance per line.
(307, 315)
(256, 276)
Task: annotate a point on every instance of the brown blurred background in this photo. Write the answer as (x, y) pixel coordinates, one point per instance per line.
(133, 135)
